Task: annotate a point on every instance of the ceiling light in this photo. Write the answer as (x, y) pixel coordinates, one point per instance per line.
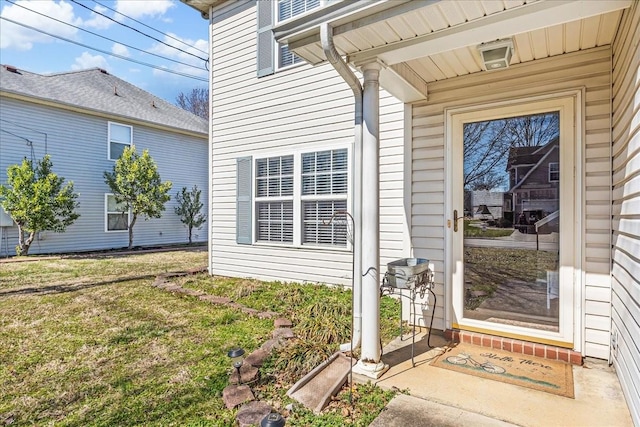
(496, 55)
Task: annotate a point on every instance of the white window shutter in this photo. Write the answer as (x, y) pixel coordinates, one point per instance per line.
(243, 201)
(265, 43)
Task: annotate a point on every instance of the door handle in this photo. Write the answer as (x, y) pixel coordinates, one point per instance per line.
(455, 220)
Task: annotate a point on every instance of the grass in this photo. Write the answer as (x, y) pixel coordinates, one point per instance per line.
(475, 229)
(87, 341)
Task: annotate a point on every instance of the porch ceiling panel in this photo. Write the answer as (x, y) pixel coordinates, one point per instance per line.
(439, 40)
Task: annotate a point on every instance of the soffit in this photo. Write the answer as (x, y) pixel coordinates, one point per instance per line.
(439, 41)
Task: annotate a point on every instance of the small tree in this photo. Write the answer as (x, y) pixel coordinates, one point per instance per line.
(135, 183)
(37, 201)
(188, 209)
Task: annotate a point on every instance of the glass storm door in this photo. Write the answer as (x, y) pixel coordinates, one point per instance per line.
(512, 220)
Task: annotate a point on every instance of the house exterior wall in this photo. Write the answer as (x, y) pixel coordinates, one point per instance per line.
(77, 144)
(589, 70)
(292, 109)
(625, 269)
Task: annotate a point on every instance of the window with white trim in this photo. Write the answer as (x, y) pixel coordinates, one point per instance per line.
(297, 195)
(120, 137)
(287, 9)
(274, 199)
(554, 172)
(116, 214)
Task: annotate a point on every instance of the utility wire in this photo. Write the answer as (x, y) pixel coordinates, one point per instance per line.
(191, 76)
(150, 27)
(138, 31)
(29, 142)
(107, 38)
(32, 130)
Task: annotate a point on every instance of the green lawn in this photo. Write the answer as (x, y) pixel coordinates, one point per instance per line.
(88, 341)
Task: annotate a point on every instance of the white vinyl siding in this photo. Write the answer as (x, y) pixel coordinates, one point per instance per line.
(120, 137)
(300, 109)
(589, 69)
(626, 208)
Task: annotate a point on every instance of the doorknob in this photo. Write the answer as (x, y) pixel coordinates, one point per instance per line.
(455, 219)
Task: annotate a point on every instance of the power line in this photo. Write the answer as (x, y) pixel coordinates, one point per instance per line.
(106, 38)
(150, 27)
(138, 31)
(191, 76)
(46, 137)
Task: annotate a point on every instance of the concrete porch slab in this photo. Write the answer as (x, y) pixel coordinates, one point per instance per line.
(598, 397)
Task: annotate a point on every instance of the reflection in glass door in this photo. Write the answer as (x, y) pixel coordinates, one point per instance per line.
(511, 185)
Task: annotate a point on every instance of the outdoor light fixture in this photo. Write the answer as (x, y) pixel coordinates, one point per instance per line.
(236, 359)
(272, 420)
(496, 55)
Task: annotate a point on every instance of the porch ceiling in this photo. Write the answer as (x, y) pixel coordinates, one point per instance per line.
(436, 40)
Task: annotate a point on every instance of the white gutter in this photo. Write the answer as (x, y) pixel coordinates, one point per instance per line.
(333, 57)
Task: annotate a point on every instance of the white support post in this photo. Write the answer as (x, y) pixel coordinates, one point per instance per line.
(370, 364)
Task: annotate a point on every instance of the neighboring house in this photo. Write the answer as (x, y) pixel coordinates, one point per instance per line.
(83, 120)
(534, 183)
(282, 125)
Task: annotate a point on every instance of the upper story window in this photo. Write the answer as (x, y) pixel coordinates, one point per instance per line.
(120, 137)
(287, 9)
(554, 172)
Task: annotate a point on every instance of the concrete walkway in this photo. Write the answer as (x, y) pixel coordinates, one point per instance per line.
(440, 397)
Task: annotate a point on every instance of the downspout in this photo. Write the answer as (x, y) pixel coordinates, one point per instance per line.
(326, 37)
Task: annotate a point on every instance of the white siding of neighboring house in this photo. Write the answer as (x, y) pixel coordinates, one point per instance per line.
(297, 107)
(589, 69)
(626, 208)
(77, 144)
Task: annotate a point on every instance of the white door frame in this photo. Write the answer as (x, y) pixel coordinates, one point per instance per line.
(569, 104)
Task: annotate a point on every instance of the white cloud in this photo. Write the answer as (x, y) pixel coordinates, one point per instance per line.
(183, 52)
(21, 38)
(86, 60)
(98, 21)
(121, 50)
(137, 9)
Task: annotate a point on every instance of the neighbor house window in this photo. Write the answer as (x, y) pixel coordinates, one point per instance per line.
(554, 172)
(120, 137)
(116, 214)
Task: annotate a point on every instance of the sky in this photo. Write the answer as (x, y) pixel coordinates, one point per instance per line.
(168, 35)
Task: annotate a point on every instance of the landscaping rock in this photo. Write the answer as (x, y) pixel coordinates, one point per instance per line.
(214, 299)
(281, 322)
(248, 374)
(267, 314)
(235, 395)
(283, 333)
(257, 358)
(252, 413)
(271, 344)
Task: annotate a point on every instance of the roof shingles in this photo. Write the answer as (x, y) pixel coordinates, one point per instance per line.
(96, 90)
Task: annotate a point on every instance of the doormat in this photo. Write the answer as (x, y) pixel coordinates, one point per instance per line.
(520, 369)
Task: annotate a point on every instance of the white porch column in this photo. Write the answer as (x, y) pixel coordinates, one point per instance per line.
(369, 363)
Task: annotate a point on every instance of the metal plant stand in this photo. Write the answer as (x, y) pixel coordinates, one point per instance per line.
(417, 279)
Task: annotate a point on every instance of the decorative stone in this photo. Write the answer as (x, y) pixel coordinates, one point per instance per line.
(252, 413)
(271, 344)
(257, 358)
(283, 333)
(235, 395)
(248, 374)
(214, 299)
(281, 322)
